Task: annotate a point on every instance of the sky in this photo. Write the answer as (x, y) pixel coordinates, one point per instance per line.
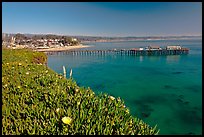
(116, 19)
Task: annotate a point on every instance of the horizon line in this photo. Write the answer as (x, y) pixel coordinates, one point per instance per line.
(199, 35)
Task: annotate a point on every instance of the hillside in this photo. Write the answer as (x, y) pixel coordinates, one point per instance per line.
(36, 100)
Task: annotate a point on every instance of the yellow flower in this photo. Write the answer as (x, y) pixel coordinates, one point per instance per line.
(27, 73)
(69, 87)
(127, 111)
(91, 94)
(57, 110)
(19, 86)
(67, 120)
(19, 64)
(112, 123)
(77, 90)
(111, 97)
(119, 99)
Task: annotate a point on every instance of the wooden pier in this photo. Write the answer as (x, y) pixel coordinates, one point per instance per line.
(123, 52)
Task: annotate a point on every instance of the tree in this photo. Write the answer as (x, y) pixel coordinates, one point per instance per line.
(19, 36)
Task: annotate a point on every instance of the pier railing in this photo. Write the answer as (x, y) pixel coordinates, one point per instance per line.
(124, 52)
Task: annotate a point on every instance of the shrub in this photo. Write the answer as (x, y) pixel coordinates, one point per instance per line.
(36, 100)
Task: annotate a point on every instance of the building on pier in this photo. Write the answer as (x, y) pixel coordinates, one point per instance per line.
(173, 47)
(155, 48)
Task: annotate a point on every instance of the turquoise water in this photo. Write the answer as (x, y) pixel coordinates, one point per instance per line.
(162, 90)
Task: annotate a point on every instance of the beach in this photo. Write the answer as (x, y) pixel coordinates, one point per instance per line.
(63, 48)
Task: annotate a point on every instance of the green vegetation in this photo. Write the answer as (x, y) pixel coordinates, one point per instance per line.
(36, 100)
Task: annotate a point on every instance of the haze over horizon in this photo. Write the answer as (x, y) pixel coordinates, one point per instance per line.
(105, 36)
(105, 19)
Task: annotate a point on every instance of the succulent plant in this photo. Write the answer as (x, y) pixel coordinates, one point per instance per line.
(36, 100)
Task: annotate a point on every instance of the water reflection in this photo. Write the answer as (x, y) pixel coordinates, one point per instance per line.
(141, 58)
(170, 59)
(154, 58)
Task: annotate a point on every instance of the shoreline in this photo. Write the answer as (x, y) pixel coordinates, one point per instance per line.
(63, 48)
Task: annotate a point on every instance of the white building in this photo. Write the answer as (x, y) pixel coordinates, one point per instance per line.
(173, 47)
(74, 39)
(61, 45)
(155, 48)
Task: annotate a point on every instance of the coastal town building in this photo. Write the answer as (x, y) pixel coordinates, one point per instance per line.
(37, 42)
(74, 39)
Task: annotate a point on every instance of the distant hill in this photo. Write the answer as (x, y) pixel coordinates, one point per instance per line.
(132, 38)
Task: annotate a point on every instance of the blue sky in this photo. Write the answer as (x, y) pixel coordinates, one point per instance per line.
(103, 18)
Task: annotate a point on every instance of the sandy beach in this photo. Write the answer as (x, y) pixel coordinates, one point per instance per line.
(63, 48)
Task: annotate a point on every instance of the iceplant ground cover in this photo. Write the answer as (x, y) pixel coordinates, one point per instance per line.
(36, 100)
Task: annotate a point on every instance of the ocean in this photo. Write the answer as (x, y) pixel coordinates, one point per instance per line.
(161, 90)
